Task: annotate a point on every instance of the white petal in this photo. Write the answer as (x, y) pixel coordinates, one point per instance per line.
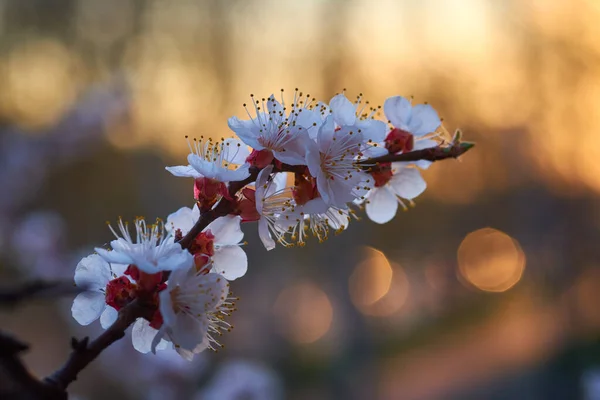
(183, 219)
(142, 335)
(275, 108)
(408, 183)
(113, 256)
(236, 151)
(344, 112)
(280, 181)
(228, 175)
(246, 131)
(424, 144)
(108, 317)
(188, 332)
(261, 181)
(87, 307)
(92, 273)
(372, 130)
(231, 262)
(227, 230)
(186, 171)
(398, 110)
(424, 120)
(118, 269)
(382, 205)
(265, 236)
(325, 136)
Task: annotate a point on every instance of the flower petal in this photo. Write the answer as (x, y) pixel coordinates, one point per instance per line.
(142, 335)
(408, 183)
(88, 306)
(108, 317)
(227, 230)
(344, 112)
(186, 171)
(247, 131)
(182, 219)
(236, 152)
(92, 273)
(187, 332)
(231, 262)
(424, 120)
(265, 236)
(398, 110)
(382, 205)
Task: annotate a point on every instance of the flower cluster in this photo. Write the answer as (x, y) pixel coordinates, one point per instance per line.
(299, 170)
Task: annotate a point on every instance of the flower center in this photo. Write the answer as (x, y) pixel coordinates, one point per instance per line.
(399, 140)
(382, 174)
(204, 243)
(120, 292)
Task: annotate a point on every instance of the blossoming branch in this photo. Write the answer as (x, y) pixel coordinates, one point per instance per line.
(299, 170)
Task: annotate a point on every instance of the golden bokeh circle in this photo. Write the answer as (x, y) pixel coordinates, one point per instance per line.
(304, 313)
(490, 260)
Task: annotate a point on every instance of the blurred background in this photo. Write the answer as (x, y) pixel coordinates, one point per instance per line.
(488, 289)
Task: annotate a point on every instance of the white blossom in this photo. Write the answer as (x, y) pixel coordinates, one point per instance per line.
(418, 120)
(402, 183)
(228, 259)
(278, 128)
(193, 307)
(212, 159)
(152, 250)
(93, 274)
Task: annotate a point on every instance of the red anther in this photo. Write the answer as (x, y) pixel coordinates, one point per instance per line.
(399, 140)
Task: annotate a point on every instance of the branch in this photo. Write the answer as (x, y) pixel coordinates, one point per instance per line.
(431, 154)
(16, 382)
(84, 352)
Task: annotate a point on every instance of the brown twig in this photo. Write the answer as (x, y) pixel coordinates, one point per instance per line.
(84, 352)
(432, 154)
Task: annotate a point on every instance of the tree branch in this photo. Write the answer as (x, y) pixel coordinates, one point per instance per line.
(84, 352)
(431, 154)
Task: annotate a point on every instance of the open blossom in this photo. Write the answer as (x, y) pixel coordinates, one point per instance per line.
(94, 275)
(220, 240)
(278, 129)
(332, 162)
(194, 307)
(418, 120)
(392, 184)
(152, 250)
(212, 159)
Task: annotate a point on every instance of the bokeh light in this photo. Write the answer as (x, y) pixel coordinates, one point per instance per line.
(371, 278)
(39, 82)
(491, 260)
(304, 313)
(394, 299)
